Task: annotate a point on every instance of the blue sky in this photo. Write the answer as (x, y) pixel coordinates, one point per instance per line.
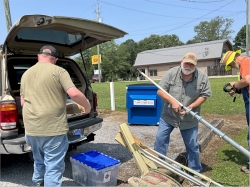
(139, 18)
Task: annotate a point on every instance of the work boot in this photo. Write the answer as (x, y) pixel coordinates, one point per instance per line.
(41, 184)
(245, 169)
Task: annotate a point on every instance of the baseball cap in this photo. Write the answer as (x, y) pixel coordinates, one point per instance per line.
(228, 58)
(48, 50)
(191, 58)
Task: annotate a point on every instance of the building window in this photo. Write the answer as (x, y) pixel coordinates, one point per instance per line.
(153, 72)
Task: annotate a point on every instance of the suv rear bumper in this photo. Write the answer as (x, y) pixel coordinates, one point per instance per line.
(15, 145)
(80, 131)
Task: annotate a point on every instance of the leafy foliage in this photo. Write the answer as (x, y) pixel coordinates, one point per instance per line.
(118, 60)
(217, 29)
(240, 39)
(156, 42)
(86, 63)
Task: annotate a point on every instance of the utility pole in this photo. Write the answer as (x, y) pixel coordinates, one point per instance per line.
(7, 14)
(247, 28)
(98, 52)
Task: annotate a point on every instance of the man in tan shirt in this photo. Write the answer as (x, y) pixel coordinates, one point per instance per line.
(43, 96)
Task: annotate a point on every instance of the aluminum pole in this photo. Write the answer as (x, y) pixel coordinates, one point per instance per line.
(7, 14)
(99, 64)
(216, 131)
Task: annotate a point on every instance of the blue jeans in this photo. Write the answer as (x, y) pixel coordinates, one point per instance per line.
(245, 94)
(189, 137)
(48, 153)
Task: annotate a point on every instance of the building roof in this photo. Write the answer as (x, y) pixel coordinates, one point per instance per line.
(205, 50)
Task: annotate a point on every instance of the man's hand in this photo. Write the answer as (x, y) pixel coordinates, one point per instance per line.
(182, 112)
(232, 92)
(176, 107)
(81, 108)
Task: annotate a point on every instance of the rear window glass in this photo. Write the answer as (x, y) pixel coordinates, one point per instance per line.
(19, 72)
(17, 69)
(45, 35)
(71, 72)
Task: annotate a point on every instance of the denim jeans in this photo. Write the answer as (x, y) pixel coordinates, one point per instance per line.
(189, 137)
(245, 94)
(48, 153)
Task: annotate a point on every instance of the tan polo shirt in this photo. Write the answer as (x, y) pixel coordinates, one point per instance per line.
(43, 87)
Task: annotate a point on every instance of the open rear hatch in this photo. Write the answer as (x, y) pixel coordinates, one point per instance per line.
(67, 34)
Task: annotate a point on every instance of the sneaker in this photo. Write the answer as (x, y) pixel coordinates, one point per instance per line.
(41, 184)
(245, 169)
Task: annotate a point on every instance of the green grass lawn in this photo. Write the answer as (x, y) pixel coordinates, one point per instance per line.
(230, 160)
(220, 102)
(226, 171)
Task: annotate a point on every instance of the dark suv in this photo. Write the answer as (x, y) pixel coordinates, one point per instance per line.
(69, 36)
(95, 78)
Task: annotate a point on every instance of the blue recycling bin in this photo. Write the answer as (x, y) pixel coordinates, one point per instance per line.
(143, 104)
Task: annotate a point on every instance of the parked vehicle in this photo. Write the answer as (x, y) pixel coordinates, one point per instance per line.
(95, 78)
(69, 36)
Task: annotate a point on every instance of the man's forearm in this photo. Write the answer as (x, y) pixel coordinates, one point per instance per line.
(197, 102)
(166, 97)
(245, 81)
(83, 101)
(21, 100)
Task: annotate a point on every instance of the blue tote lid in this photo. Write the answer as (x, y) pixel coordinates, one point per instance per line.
(96, 160)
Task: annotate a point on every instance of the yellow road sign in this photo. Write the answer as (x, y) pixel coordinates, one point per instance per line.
(94, 59)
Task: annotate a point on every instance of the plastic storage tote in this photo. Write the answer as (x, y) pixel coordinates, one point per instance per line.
(94, 169)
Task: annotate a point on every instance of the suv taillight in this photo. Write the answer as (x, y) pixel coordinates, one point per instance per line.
(8, 116)
(95, 102)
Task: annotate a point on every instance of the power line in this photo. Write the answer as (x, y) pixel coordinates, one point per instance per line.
(192, 1)
(146, 12)
(229, 15)
(185, 6)
(191, 22)
(236, 13)
(200, 17)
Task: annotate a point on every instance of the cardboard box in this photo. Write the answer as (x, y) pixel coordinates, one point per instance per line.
(94, 169)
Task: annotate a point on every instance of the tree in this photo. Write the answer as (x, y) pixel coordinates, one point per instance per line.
(124, 63)
(128, 50)
(192, 41)
(217, 29)
(156, 42)
(152, 42)
(170, 41)
(240, 39)
(86, 64)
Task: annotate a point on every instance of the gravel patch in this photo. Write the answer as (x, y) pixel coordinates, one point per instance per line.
(16, 170)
